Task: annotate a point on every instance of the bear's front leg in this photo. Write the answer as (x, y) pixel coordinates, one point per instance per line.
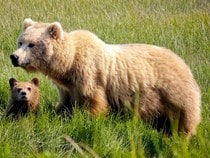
(98, 104)
(65, 104)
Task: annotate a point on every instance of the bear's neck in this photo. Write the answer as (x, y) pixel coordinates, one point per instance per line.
(61, 62)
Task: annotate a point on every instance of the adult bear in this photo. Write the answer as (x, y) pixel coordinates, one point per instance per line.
(99, 75)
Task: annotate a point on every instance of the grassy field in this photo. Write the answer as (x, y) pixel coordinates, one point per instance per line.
(182, 26)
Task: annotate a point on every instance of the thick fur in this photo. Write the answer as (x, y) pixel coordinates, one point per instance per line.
(90, 72)
(24, 97)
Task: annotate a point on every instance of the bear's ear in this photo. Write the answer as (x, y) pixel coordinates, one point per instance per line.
(35, 81)
(12, 82)
(55, 30)
(27, 22)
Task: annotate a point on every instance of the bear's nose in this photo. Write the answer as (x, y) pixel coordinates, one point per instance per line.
(23, 93)
(14, 59)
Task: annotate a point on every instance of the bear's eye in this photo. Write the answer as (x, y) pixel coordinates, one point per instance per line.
(29, 88)
(20, 44)
(19, 89)
(31, 45)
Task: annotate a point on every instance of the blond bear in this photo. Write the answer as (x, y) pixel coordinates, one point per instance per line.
(104, 76)
(24, 97)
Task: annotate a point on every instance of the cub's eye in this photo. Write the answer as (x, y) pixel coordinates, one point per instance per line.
(31, 45)
(19, 89)
(20, 44)
(29, 88)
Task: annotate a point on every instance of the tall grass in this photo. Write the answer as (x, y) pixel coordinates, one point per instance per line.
(182, 26)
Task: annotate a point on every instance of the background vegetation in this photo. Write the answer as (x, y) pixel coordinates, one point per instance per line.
(182, 26)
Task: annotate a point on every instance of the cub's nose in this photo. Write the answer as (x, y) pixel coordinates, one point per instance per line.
(14, 59)
(23, 93)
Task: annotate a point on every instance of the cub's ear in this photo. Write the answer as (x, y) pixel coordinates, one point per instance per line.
(35, 81)
(55, 30)
(27, 22)
(12, 82)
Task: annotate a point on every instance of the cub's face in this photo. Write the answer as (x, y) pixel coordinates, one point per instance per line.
(24, 91)
(35, 44)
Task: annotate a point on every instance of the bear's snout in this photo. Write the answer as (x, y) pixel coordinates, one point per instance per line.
(14, 59)
(23, 95)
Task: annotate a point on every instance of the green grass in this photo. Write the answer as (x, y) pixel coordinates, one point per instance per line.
(182, 26)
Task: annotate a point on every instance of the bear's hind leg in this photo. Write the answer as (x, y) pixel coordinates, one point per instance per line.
(189, 119)
(185, 98)
(152, 109)
(150, 106)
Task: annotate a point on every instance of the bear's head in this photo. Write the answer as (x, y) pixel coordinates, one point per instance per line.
(24, 91)
(36, 44)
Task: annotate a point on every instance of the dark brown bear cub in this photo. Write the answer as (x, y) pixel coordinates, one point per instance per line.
(24, 97)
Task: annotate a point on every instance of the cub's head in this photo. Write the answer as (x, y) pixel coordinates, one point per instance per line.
(24, 91)
(36, 44)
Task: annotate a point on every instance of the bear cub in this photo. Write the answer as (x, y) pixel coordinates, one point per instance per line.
(24, 98)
